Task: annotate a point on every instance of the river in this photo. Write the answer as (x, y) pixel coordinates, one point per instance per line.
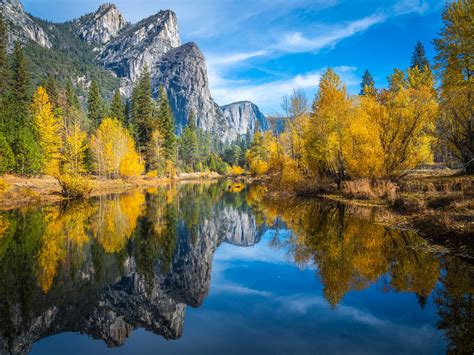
(215, 268)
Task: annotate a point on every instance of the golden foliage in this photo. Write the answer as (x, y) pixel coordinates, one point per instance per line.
(4, 186)
(236, 170)
(48, 126)
(75, 186)
(114, 151)
(75, 147)
(116, 220)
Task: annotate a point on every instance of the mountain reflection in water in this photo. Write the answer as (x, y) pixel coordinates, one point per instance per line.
(137, 260)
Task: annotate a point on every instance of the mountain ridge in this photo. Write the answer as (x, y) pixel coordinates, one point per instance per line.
(124, 49)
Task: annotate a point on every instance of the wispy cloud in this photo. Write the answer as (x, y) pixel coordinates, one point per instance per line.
(297, 42)
(234, 57)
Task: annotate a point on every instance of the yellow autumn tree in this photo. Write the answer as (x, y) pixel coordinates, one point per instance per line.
(75, 147)
(114, 151)
(257, 155)
(403, 118)
(48, 126)
(332, 110)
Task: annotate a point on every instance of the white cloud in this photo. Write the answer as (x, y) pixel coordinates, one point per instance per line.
(269, 94)
(297, 42)
(234, 58)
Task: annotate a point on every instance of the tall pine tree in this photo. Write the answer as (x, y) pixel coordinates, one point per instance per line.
(142, 118)
(3, 56)
(419, 58)
(189, 143)
(71, 96)
(19, 122)
(116, 108)
(368, 84)
(7, 160)
(167, 125)
(94, 105)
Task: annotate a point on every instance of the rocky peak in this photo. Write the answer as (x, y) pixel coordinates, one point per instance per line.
(143, 43)
(21, 26)
(242, 117)
(101, 26)
(183, 72)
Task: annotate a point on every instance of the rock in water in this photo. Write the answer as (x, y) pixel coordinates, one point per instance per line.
(100, 27)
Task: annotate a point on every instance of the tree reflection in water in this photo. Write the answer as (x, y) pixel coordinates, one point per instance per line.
(140, 257)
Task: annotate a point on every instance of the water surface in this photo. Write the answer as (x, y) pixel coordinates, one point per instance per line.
(215, 268)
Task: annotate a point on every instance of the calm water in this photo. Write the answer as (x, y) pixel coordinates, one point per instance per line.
(216, 269)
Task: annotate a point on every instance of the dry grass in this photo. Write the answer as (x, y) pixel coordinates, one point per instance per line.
(366, 190)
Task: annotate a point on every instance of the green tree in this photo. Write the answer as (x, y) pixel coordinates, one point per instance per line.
(18, 123)
(368, 84)
(7, 159)
(94, 105)
(71, 96)
(51, 86)
(142, 117)
(189, 143)
(116, 108)
(167, 125)
(455, 62)
(419, 58)
(3, 56)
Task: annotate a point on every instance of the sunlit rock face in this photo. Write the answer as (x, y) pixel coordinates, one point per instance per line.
(183, 72)
(242, 118)
(141, 44)
(100, 27)
(21, 26)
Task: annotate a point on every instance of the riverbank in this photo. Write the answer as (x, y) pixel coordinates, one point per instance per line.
(438, 205)
(17, 192)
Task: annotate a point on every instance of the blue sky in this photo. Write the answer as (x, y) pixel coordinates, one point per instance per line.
(260, 50)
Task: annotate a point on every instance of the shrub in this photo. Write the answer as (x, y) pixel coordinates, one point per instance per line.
(4, 186)
(236, 170)
(152, 174)
(258, 167)
(75, 186)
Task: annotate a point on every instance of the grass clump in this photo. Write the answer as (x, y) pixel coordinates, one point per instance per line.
(366, 190)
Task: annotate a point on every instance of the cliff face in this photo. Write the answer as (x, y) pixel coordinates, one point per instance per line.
(241, 118)
(100, 27)
(141, 44)
(21, 26)
(125, 49)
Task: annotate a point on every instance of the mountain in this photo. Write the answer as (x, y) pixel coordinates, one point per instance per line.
(101, 26)
(243, 116)
(105, 47)
(22, 27)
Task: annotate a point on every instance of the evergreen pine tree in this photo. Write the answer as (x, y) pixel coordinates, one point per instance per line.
(116, 108)
(7, 159)
(94, 105)
(142, 118)
(368, 84)
(18, 125)
(71, 96)
(51, 87)
(3, 56)
(189, 143)
(419, 58)
(167, 125)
